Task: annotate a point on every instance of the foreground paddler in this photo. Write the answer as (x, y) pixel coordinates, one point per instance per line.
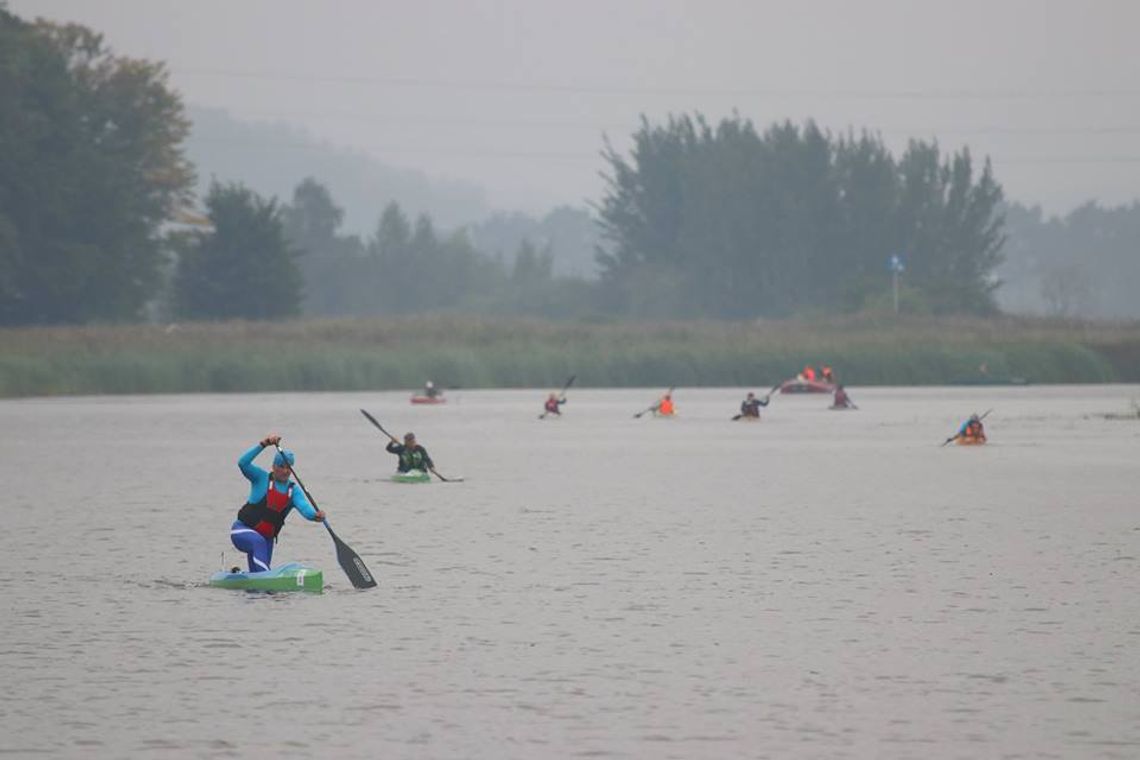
(272, 495)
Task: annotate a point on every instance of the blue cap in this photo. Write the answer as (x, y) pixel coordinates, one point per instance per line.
(284, 456)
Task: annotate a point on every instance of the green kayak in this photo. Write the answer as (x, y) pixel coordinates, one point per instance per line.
(291, 577)
(412, 476)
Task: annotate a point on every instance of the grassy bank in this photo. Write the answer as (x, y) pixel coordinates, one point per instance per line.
(479, 353)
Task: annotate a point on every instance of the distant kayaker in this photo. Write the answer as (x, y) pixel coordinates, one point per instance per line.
(271, 497)
(553, 401)
(841, 400)
(430, 390)
(412, 455)
(664, 407)
(750, 406)
(972, 430)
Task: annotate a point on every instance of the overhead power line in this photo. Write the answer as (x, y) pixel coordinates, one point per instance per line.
(540, 123)
(560, 87)
(255, 143)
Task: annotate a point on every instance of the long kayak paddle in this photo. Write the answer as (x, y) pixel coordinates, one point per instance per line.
(349, 560)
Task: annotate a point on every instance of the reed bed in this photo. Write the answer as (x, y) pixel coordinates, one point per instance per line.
(478, 352)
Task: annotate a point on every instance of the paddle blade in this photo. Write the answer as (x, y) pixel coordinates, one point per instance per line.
(375, 422)
(351, 562)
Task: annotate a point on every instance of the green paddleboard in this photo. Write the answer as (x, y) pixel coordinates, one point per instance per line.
(412, 476)
(291, 577)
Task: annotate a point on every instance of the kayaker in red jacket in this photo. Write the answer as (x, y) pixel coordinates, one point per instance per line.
(552, 404)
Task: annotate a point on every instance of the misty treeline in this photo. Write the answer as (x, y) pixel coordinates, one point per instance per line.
(700, 220)
(725, 221)
(408, 266)
(1084, 264)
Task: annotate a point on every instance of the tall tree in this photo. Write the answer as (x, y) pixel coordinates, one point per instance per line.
(244, 268)
(725, 222)
(312, 223)
(91, 165)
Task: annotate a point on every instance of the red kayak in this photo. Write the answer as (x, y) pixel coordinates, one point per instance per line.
(795, 385)
(428, 400)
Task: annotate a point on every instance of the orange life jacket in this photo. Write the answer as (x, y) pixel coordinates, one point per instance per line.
(666, 406)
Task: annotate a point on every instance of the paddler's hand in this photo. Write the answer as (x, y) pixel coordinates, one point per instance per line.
(320, 516)
(270, 440)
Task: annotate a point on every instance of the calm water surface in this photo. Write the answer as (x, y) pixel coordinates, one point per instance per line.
(820, 584)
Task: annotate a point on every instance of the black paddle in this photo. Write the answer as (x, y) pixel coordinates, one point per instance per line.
(767, 398)
(349, 560)
(955, 436)
(562, 394)
(375, 422)
(655, 407)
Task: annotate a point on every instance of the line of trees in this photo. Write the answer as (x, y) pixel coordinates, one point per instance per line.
(727, 222)
(1083, 264)
(257, 259)
(699, 221)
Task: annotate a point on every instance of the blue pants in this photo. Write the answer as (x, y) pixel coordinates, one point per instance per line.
(257, 547)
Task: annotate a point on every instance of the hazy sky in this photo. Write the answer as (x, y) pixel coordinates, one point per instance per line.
(516, 95)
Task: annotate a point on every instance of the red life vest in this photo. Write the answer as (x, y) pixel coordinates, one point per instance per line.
(552, 405)
(268, 515)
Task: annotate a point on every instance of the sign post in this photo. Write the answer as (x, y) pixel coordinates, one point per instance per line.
(895, 266)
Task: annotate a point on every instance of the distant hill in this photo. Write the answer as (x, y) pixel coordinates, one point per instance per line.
(273, 157)
(570, 234)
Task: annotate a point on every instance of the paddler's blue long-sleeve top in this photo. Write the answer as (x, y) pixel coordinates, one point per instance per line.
(259, 482)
